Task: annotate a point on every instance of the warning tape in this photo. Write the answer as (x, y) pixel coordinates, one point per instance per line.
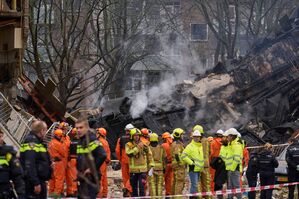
(221, 192)
(262, 146)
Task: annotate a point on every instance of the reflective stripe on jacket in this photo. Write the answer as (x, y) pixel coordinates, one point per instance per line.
(177, 148)
(234, 156)
(193, 155)
(159, 156)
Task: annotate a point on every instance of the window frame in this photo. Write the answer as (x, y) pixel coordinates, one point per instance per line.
(207, 37)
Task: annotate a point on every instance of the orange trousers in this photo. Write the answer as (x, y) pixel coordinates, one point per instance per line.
(103, 193)
(56, 185)
(71, 177)
(212, 174)
(168, 179)
(125, 172)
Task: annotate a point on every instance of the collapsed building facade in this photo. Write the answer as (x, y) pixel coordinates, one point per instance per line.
(258, 94)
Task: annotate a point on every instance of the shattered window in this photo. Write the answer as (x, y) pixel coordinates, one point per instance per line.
(199, 32)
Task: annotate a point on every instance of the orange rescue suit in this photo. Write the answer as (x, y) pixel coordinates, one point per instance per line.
(59, 153)
(168, 171)
(71, 170)
(124, 161)
(215, 146)
(103, 193)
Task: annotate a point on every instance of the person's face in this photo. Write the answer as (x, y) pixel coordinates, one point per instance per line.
(136, 137)
(230, 138)
(127, 132)
(82, 128)
(43, 132)
(197, 138)
(224, 139)
(1, 138)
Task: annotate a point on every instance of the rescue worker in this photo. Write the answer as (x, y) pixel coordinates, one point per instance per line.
(245, 159)
(58, 152)
(205, 178)
(234, 161)
(266, 166)
(145, 136)
(251, 173)
(141, 162)
(292, 159)
(156, 179)
(178, 166)
(71, 171)
(91, 155)
(35, 161)
(124, 160)
(10, 170)
(167, 141)
(215, 146)
(194, 158)
(102, 133)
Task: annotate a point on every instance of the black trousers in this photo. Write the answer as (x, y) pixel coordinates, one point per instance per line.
(86, 191)
(29, 189)
(267, 179)
(138, 182)
(252, 180)
(293, 176)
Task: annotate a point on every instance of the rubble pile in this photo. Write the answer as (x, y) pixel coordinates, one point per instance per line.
(257, 93)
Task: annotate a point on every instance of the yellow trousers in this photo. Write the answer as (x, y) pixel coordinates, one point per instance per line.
(156, 183)
(178, 183)
(205, 181)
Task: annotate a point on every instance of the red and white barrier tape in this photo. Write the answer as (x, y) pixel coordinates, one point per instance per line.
(222, 192)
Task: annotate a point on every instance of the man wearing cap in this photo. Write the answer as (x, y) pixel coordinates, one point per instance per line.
(194, 158)
(234, 161)
(215, 146)
(124, 159)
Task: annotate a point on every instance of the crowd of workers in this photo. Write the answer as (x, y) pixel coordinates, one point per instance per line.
(74, 163)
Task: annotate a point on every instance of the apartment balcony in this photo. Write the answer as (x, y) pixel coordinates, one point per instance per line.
(11, 9)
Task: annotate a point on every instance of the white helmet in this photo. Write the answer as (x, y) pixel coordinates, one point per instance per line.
(196, 133)
(239, 135)
(129, 127)
(231, 131)
(220, 132)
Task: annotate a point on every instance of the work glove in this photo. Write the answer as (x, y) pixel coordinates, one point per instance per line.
(151, 172)
(297, 168)
(191, 167)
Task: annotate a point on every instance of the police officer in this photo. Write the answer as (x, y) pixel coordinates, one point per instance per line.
(10, 169)
(251, 173)
(90, 156)
(266, 166)
(292, 159)
(35, 161)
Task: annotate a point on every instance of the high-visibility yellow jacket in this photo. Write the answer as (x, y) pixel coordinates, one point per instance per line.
(140, 158)
(177, 148)
(159, 156)
(223, 154)
(193, 155)
(234, 155)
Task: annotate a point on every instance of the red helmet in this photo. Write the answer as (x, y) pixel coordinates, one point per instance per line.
(63, 125)
(58, 133)
(102, 131)
(145, 131)
(74, 131)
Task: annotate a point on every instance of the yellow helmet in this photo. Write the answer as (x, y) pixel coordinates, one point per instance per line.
(154, 137)
(134, 131)
(178, 132)
(198, 128)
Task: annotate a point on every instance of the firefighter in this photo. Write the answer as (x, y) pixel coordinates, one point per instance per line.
(145, 136)
(292, 159)
(10, 170)
(193, 156)
(71, 171)
(266, 166)
(251, 173)
(58, 153)
(91, 155)
(178, 166)
(234, 161)
(205, 178)
(35, 161)
(215, 146)
(141, 162)
(124, 160)
(167, 141)
(102, 133)
(159, 155)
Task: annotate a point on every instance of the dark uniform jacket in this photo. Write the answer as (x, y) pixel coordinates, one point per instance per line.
(35, 160)
(267, 162)
(292, 155)
(10, 169)
(220, 172)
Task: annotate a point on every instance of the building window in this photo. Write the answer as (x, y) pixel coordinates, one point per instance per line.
(134, 82)
(199, 32)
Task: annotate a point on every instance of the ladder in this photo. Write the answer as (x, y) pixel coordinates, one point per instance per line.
(14, 125)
